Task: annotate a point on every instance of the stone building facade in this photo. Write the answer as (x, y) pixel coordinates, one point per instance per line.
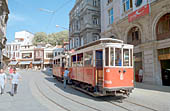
(146, 25)
(84, 25)
(4, 11)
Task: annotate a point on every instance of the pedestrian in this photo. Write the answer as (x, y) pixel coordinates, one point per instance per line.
(14, 80)
(3, 80)
(11, 70)
(66, 76)
(140, 74)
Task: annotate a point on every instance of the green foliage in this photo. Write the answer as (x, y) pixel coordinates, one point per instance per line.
(53, 38)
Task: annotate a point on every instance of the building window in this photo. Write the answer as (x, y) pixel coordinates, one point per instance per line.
(96, 3)
(27, 55)
(127, 4)
(95, 36)
(77, 42)
(134, 36)
(95, 20)
(109, 1)
(138, 3)
(49, 55)
(111, 19)
(163, 27)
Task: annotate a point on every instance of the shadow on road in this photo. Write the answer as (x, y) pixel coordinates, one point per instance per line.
(73, 91)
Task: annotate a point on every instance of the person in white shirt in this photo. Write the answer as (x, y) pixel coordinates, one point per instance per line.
(140, 75)
(66, 76)
(14, 80)
(3, 80)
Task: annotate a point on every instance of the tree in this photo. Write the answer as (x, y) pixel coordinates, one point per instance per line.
(40, 37)
(53, 38)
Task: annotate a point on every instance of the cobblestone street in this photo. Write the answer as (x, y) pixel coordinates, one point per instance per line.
(39, 91)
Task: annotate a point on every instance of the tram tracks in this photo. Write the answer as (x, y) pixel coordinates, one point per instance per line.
(66, 97)
(129, 109)
(141, 105)
(93, 108)
(51, 100)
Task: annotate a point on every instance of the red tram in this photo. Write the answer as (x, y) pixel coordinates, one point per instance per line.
(103, 67)
(59, 64)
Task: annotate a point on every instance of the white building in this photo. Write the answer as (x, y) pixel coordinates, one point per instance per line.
(24, 37)
(13, 49)
(48, 56)
(26, 56)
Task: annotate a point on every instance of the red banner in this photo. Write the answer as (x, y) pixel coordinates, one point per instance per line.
(139, 13)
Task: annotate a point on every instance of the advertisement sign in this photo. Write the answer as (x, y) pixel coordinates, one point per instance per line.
(138, 13)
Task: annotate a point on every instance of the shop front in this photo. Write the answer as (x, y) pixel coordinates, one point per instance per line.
(25, 64)
(137, 64)
(164, 58)
(37, 65)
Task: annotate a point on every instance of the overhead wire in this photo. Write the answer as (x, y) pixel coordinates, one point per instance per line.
(57, 10)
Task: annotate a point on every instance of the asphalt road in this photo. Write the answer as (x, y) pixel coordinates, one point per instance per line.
(39, 91)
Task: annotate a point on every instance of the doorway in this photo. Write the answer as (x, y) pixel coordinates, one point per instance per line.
(165, 67)
(99, 67)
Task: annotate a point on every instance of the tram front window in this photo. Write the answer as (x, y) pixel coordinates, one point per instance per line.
(126, 57)
(118, 57)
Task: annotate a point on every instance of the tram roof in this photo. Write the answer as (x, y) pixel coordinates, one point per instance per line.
(102, 40)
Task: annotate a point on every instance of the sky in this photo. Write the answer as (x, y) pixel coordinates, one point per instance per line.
(27, 15)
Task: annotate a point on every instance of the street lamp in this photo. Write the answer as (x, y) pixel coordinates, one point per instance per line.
(46, 10)
(61, 27)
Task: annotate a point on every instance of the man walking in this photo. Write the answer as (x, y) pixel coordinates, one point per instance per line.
(3, 80)
(140, 74)
(14, 79)
(66, 77)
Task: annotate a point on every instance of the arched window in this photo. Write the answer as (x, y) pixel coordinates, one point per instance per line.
(134, 36)
(163, 27)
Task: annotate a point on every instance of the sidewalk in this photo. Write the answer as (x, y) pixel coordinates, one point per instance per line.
(152, 87)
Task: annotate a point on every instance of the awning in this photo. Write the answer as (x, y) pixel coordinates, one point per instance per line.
(24, 62)
(13, 63)
(48, 63)
(36, 62)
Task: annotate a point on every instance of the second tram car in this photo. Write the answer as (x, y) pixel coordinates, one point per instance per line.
(103, 67)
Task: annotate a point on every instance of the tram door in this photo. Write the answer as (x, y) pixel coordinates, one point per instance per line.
(99, 67)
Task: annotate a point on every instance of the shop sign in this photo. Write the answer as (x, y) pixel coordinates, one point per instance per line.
(138, 13)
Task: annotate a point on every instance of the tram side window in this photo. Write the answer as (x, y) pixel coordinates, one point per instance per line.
(118, 57)
(63, 62)
(126, 57)
(80, 60)
(107, 57)
(131, 57)
(54, 62)
(74, 61)
(112, 56)
(58, 62)
(88, 58)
